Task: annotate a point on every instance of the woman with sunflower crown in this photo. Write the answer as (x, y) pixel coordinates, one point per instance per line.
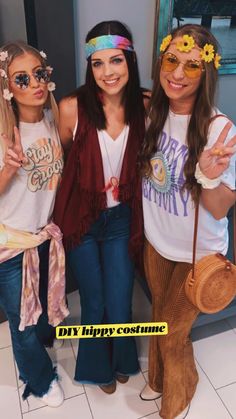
(183, 164)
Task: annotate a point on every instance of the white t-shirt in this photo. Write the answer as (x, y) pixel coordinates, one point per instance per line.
(112, 152)
(28, 201)
(169, 211)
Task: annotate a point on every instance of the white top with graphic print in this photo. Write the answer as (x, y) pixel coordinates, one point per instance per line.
(27, 203)
(168, 210)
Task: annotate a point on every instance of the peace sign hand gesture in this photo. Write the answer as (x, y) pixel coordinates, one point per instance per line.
(214, 161)
(14, 156)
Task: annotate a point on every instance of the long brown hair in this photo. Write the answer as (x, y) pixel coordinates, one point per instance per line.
(200, 117)
(88, 94)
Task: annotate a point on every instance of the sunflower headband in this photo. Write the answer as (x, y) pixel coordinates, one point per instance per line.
(187, 43)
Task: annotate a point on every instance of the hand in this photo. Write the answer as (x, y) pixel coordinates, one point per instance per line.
(14, 156)
(215, 161)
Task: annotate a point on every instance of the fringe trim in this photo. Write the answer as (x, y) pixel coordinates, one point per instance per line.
(91, 205)
(95, 203)
(74, 239)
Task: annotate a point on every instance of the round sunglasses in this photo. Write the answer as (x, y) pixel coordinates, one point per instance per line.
(192, 68)
(22, 80)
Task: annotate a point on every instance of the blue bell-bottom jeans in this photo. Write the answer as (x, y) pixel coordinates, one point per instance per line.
(34, 364)
(105, 273)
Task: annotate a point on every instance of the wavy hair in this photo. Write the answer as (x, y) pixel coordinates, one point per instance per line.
(200, 119)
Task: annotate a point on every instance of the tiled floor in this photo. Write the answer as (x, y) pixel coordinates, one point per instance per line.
(215, 397)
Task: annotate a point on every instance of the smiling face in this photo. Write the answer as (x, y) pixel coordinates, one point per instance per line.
(110, 71)
(36, 93)
(180, 89)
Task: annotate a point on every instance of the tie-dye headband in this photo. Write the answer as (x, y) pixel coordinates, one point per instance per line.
(107, 42)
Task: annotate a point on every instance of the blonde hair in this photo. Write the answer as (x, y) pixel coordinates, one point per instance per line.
(8, 108)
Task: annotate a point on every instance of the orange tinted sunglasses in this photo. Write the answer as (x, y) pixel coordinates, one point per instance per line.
(191, 68)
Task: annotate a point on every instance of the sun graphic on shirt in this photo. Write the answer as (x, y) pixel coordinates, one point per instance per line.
(158, 171)
(160, 177)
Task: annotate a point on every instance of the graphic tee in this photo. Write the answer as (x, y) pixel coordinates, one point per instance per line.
(168, 209)
(28, 201)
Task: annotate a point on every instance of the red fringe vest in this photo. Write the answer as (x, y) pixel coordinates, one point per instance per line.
(80, 197)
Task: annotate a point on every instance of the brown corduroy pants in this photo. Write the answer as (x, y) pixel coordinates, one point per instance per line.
(172, 369)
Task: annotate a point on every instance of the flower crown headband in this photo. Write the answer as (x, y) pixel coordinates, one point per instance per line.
(187, 43)
(107, 42)
(7, 95)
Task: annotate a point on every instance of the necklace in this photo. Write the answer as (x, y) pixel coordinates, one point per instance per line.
(113, 182)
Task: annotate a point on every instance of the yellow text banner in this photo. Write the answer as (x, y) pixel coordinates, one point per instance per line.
(111, 330)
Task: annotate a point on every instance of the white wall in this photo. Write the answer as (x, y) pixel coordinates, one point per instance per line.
(12, 21)
(139, 16)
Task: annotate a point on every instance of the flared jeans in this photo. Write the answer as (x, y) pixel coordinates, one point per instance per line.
(172, 369)
(104, 273)
(34, 364)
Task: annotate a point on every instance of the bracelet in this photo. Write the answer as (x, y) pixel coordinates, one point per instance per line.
(205, 181)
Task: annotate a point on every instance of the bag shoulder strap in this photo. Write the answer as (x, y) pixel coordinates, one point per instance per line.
(234, 233)
(195, 238)
(218, 116)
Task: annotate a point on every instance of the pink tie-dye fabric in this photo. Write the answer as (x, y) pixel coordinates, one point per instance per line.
(30, 303)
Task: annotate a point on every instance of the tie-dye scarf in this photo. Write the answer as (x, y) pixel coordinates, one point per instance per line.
(14, 242)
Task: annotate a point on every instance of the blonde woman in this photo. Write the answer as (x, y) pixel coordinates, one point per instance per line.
(31, 252)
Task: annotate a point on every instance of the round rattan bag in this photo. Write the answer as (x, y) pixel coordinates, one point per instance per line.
(212, 285)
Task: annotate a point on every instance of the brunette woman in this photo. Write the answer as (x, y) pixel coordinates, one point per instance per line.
(183, 164)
